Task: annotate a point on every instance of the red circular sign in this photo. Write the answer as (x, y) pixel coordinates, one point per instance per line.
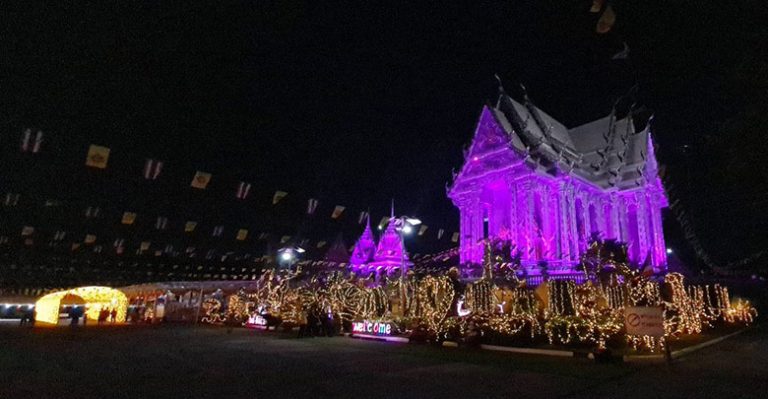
(633, 319)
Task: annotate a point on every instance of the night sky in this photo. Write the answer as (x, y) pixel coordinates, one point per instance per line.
(359, 103)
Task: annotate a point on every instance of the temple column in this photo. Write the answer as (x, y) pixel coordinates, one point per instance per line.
(563, 225)
(600, 214)
(465, 232)
(513, 226)
(573, 240)
(586, 225)
(477, 229)
(660, 249)
(527, 214)
(642, 225)
(615, 222)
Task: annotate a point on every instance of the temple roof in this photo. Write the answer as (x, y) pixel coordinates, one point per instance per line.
(338, 251)
(607, 152)
(390, 249)
(365, 247)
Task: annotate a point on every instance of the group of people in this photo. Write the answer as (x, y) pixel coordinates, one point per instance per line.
(314, 322)
(105, 314)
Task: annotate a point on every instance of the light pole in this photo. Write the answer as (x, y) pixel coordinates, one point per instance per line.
(403, 226)
(289, 255)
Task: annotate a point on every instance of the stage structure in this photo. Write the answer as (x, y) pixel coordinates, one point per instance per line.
(547, 189)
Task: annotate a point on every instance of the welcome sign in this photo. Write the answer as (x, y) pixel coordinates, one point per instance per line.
(368, 327)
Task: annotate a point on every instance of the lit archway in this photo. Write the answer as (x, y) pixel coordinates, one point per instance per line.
(93, 298)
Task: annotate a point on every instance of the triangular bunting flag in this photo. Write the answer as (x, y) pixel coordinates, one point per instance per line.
(243, 189)
(321, 244)
(27, 230)
(144, 245)
(242, 234)
(311, 206)
(89, 239)
(98, 157)
(423, 229)
(363, 217)
(440, 233)
(278, 196)
(190, 226)
(128, 217)
(11, 199)
(285, 239)
(383, 222)
(31, 143)
(201, 180)
(152, 169)
(337, 211)
(455, 237)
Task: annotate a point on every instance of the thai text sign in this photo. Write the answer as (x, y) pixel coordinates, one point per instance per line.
(644, 320)
(368, 327)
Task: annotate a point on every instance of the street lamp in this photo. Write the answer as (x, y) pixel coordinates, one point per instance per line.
(404, 226)
(289, 255)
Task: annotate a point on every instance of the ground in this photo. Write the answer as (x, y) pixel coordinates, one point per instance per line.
(173, 361)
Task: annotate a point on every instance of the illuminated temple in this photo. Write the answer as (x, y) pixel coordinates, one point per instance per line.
(528, 179)
(389, 254)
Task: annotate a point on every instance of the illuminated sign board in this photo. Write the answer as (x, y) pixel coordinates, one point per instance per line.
(257, 320)
(368, 327)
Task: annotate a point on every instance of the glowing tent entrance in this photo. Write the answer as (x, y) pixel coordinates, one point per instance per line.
(93, 298)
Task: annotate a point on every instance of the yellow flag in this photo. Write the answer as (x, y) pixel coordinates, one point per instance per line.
(606, 21)
(97, 156)
(278, 196)
(201, 180)
(383, 222)
(144, 245)
(242, 234)
(90, 238)
(190, 226)
(129, 217)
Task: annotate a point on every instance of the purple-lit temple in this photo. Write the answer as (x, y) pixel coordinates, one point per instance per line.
(389, 254)
(547, 189)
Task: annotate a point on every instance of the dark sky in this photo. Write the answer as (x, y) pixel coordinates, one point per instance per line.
(358, 103)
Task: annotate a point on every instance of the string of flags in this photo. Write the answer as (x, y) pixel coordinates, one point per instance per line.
(97, 157)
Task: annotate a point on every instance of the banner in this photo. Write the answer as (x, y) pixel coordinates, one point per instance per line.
(97, 157)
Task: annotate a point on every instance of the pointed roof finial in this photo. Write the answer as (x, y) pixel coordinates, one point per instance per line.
(392, 210)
